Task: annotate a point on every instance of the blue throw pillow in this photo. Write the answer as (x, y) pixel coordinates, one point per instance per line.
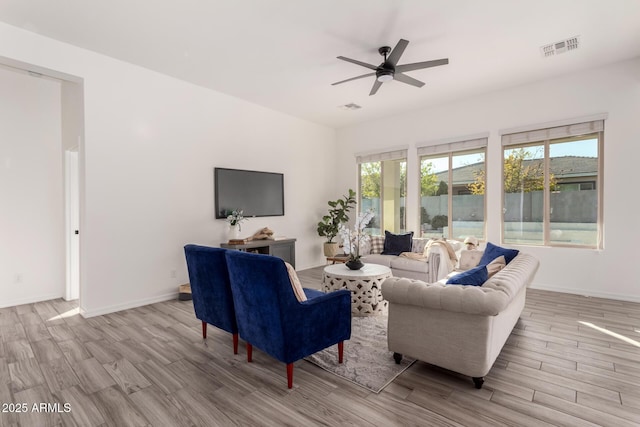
(474, 277)
(395, 244)
(492, 252)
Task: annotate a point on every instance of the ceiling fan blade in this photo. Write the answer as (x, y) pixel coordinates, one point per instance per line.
(362, 64)
(376, 86)
(353, 78)
(408, 80)
(420, 65)
(397, 52)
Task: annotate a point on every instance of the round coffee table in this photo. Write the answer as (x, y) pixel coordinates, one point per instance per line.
(364, 284)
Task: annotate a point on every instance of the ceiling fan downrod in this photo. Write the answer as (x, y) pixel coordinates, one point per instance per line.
(383, 72)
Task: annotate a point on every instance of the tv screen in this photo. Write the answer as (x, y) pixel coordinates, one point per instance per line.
(256, 193)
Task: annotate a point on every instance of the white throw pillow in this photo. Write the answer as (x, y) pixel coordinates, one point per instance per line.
(496, 265)
(469, 259)
(295, 283)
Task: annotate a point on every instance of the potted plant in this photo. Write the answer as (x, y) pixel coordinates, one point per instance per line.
(354, 241)
(235, 218)
(330, 224)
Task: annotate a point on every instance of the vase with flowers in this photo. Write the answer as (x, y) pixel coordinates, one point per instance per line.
(354, 241)
(235, 218)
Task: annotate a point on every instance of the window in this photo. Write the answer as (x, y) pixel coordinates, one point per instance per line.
(552, 186)
(452, 202)
(383, 187)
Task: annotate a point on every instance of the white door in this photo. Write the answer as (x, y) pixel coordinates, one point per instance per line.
(73, 223)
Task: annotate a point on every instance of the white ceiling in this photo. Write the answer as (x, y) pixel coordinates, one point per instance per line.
(282, 53)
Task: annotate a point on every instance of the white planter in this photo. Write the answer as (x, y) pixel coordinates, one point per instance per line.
(234, 232)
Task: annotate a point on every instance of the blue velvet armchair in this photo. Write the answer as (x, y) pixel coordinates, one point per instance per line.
(271, 318)
(211, 290)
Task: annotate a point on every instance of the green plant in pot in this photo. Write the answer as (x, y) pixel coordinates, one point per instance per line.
(330, 224)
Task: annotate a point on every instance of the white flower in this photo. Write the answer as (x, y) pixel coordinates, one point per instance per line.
(236, 217)
(355, 241)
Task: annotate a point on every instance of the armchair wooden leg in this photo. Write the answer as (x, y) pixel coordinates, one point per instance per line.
(290, 375)
(249, 352)
(340, 351)
(235, 343)
(204, 330)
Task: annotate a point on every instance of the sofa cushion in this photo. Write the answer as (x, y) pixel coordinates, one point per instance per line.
(377, 244)
(408, 264)
(492, 252)
(395, 244)
(469, 259)
(474, 277)
(378, 259)
(419, 244)
(496, 265)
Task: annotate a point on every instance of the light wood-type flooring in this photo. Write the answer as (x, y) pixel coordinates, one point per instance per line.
(571, 361)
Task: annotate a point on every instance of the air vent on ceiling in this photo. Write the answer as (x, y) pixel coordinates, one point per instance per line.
(351, 106)
(562, 46)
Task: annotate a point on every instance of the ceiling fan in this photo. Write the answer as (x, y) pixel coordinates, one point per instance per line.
(389, 70)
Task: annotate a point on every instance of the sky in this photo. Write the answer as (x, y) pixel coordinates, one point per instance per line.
(584, 148)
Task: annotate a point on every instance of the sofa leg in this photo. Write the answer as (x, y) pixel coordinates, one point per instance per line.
(340, 351)
(478, 381)
(249, 352)
(397, 357)
(290, 375)
(235, 343)
(204, 330)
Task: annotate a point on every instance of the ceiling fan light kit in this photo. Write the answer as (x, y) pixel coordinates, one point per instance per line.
(384, 76)
(389, 70)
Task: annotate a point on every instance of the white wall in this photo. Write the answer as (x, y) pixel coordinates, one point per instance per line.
(151, 143)
(31, 190)
(614, 90)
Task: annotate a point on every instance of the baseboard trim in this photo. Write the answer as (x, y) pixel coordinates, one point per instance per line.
(587, 293)
(127, 305)
(29, 300)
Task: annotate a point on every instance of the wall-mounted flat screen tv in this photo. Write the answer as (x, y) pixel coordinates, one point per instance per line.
(256, 193)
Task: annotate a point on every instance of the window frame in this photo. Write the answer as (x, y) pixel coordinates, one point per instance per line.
(381, 206)
(546, 214)
(450, 154)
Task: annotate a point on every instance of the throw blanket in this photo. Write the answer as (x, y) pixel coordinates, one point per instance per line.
(448, 256)
(414, 255)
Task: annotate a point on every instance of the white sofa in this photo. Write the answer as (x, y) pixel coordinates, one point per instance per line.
(460, 328)
(426, 269)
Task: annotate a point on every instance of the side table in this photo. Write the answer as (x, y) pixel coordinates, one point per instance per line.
(337, 259)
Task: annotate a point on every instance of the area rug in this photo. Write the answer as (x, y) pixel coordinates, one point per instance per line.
(367, 361)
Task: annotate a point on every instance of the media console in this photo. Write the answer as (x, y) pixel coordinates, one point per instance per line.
(282, 248)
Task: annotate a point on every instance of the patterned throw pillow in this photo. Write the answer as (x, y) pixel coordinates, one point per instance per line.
(419, 243)
(377, 244)
(365, 246)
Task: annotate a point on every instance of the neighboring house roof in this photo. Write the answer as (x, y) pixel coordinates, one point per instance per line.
(561, 167)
